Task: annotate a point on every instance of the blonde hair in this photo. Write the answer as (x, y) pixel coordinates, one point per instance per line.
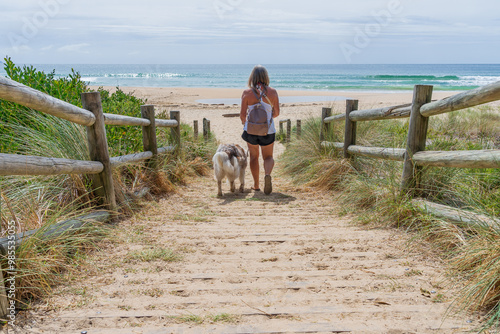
(259, 75)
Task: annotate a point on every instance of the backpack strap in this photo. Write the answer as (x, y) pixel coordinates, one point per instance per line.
(270, 103)
(261, 96)
(257, 96)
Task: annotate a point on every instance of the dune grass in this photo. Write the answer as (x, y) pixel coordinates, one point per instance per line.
(42, 263)
(369, 189)
(478, 262)
(153, 254)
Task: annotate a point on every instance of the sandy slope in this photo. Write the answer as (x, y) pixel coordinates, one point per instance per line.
(284, 263)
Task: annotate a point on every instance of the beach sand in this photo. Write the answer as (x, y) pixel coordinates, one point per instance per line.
(229, 129)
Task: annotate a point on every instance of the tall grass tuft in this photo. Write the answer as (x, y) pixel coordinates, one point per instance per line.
(369, 189)
(478, 262)
(311, 164)
(42, 263)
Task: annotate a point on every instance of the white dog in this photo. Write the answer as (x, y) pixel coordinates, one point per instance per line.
(230, 161)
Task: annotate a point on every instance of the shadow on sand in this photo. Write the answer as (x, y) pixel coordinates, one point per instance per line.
(250, 195)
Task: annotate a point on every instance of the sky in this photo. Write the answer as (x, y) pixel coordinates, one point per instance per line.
(250, 31)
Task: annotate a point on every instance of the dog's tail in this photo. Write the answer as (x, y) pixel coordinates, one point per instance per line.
(223, 166)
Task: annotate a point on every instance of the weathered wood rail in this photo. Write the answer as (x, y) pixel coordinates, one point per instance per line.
(463, 217)
(414, 156)
(94, 119)
(56, 229)
(13, 91)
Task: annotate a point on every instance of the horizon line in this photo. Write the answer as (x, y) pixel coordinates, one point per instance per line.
(253, 64)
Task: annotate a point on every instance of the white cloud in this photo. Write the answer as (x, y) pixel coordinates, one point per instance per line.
(74, 48)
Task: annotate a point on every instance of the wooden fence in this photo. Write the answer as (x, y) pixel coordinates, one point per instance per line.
(93, 117)
(101, 164)
(206, 129)
(414, 156)
(288, 132)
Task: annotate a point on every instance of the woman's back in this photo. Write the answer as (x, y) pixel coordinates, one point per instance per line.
(249, 98)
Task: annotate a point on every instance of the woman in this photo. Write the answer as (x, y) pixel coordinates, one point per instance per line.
(259, 87)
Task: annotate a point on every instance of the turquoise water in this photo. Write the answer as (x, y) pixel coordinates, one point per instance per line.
(293, 77)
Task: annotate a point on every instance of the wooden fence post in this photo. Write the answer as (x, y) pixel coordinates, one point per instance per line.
(4, 301)
(206, 128)
(288, 130)
(350, 127)
(195, 130)
(176, 131)
(281, 127)
(149, 135)
(98, 149)
(299, 128)
(325, 127)
(417, 135)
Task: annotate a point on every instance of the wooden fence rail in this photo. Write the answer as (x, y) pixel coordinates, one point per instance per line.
(458, 159)
(93, 117)
(471, 98)
(130, 158)
(13, 91)
(463, 217)
(414, 155)
(101, 164)
(15, 164)
(55, 229)
(113, 119)
(400, 111)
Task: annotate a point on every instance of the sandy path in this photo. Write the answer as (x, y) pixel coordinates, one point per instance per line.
(284, 263)
(268, 264)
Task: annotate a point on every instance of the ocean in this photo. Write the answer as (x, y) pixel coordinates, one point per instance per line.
(385, 78)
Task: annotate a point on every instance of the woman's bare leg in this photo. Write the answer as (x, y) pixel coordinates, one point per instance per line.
(254, 164)
(267, 155)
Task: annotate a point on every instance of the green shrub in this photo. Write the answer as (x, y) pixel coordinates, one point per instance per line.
(67, 89)
(122, 140)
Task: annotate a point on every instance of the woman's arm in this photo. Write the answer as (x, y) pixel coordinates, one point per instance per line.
(244, 107)
(276, 103)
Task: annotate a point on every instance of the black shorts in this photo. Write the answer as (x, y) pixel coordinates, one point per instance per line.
(258, 140)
